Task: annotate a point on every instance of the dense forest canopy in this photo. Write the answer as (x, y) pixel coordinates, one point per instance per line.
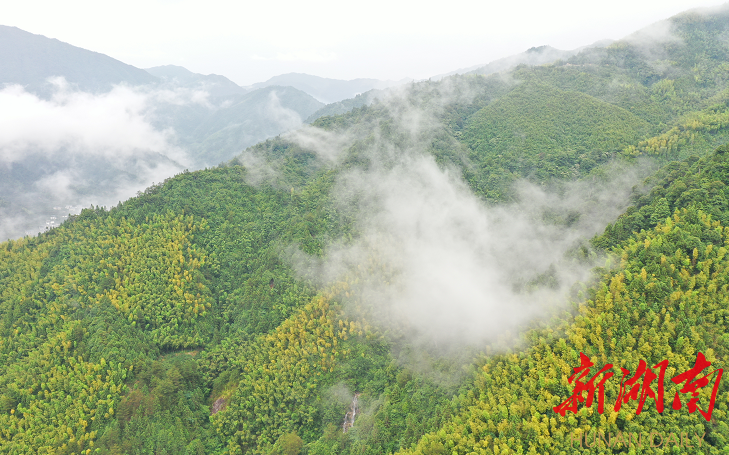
(435, 265)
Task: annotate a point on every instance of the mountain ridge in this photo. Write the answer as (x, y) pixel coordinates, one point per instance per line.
(328, 90)
(30, 59)
(218, 86)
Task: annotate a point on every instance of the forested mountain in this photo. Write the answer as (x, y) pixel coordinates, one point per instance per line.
(423, 274)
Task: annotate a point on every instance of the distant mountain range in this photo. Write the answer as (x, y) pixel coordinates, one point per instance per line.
(29, 60)
(247, 119)
(217, 86)
(328, 90)
(229, 118)
(204, 120)
(225, 117)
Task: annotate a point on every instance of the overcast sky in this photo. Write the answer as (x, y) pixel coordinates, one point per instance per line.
(252, 41)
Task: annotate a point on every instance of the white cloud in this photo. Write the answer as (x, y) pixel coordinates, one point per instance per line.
(115, 124)
(435, 261)
(431, 259)
(78, 149)
(287, 119)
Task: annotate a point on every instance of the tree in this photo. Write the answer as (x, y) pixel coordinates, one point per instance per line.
(288, 444)
(661, 211)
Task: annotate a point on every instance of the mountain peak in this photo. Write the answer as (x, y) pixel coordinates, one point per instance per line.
(30, 60)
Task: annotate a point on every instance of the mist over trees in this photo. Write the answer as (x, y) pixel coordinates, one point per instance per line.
(59, 101)
(439, 258)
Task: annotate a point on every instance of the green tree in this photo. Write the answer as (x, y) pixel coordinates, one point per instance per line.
(288, 444)
(661, 211)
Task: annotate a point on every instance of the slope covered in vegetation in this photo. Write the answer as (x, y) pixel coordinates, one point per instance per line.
(667, 300)
(545, 133)
(184, 320)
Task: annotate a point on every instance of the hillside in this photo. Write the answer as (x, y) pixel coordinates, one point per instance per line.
(420, 274)
(540, 132)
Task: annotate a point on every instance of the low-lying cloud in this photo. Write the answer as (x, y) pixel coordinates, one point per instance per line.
(435, 262)
(113, 124)
(286, 118)
(77, 148)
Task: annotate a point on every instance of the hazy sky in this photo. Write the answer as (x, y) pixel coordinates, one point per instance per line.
(252, 41)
